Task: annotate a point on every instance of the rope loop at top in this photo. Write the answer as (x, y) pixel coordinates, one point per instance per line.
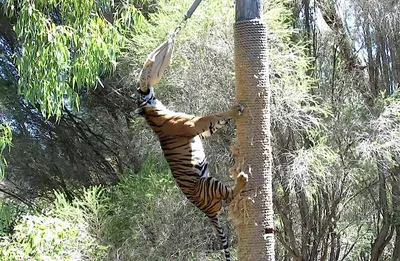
(188, 14)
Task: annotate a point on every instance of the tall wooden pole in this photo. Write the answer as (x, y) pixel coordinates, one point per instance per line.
(252, 212)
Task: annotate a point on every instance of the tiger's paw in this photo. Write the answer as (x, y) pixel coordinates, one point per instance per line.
(240, 183)
(242, 179)
(237, 109)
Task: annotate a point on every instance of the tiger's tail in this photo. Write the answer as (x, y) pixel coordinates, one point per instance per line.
(223, 238)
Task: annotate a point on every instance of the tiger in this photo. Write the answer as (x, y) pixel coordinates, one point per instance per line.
(180, 136)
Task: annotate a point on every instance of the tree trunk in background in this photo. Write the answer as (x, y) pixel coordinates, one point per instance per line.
(385, 230)
(252, 212)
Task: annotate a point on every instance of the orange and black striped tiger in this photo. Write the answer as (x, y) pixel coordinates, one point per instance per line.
(180, 138)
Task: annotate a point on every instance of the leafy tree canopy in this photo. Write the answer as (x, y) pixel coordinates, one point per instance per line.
(66, 46)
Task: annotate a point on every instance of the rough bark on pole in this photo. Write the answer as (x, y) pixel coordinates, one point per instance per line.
(252, 212)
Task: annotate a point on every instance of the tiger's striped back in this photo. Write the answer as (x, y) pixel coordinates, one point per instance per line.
(186, 159)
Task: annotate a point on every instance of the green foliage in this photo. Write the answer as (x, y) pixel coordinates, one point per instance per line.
(144, 217)
(48, 238)
(65, 232)
(66, 46)
(379, 141)
(5, 141)
(149, 218)
(129, 18)
(7, 217)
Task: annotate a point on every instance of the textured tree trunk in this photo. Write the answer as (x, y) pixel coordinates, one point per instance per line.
(385, 229)
(252, 212)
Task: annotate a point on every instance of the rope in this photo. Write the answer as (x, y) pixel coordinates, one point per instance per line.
(252, 212)
(188, 14)
(190, 11)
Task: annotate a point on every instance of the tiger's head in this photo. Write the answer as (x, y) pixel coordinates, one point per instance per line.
(147, 101)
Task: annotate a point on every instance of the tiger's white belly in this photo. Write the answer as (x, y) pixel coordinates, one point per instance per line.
(198, 157)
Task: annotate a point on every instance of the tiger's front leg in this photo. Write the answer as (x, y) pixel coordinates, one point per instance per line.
(207, 125)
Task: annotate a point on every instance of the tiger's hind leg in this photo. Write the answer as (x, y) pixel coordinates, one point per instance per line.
(241, 179)
(208, 197)
(211, 191)
(238, 176)
(221, 234)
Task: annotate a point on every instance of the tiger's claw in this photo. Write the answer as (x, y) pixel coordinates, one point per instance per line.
(240, 108)
(237, 109)
(241, 180)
